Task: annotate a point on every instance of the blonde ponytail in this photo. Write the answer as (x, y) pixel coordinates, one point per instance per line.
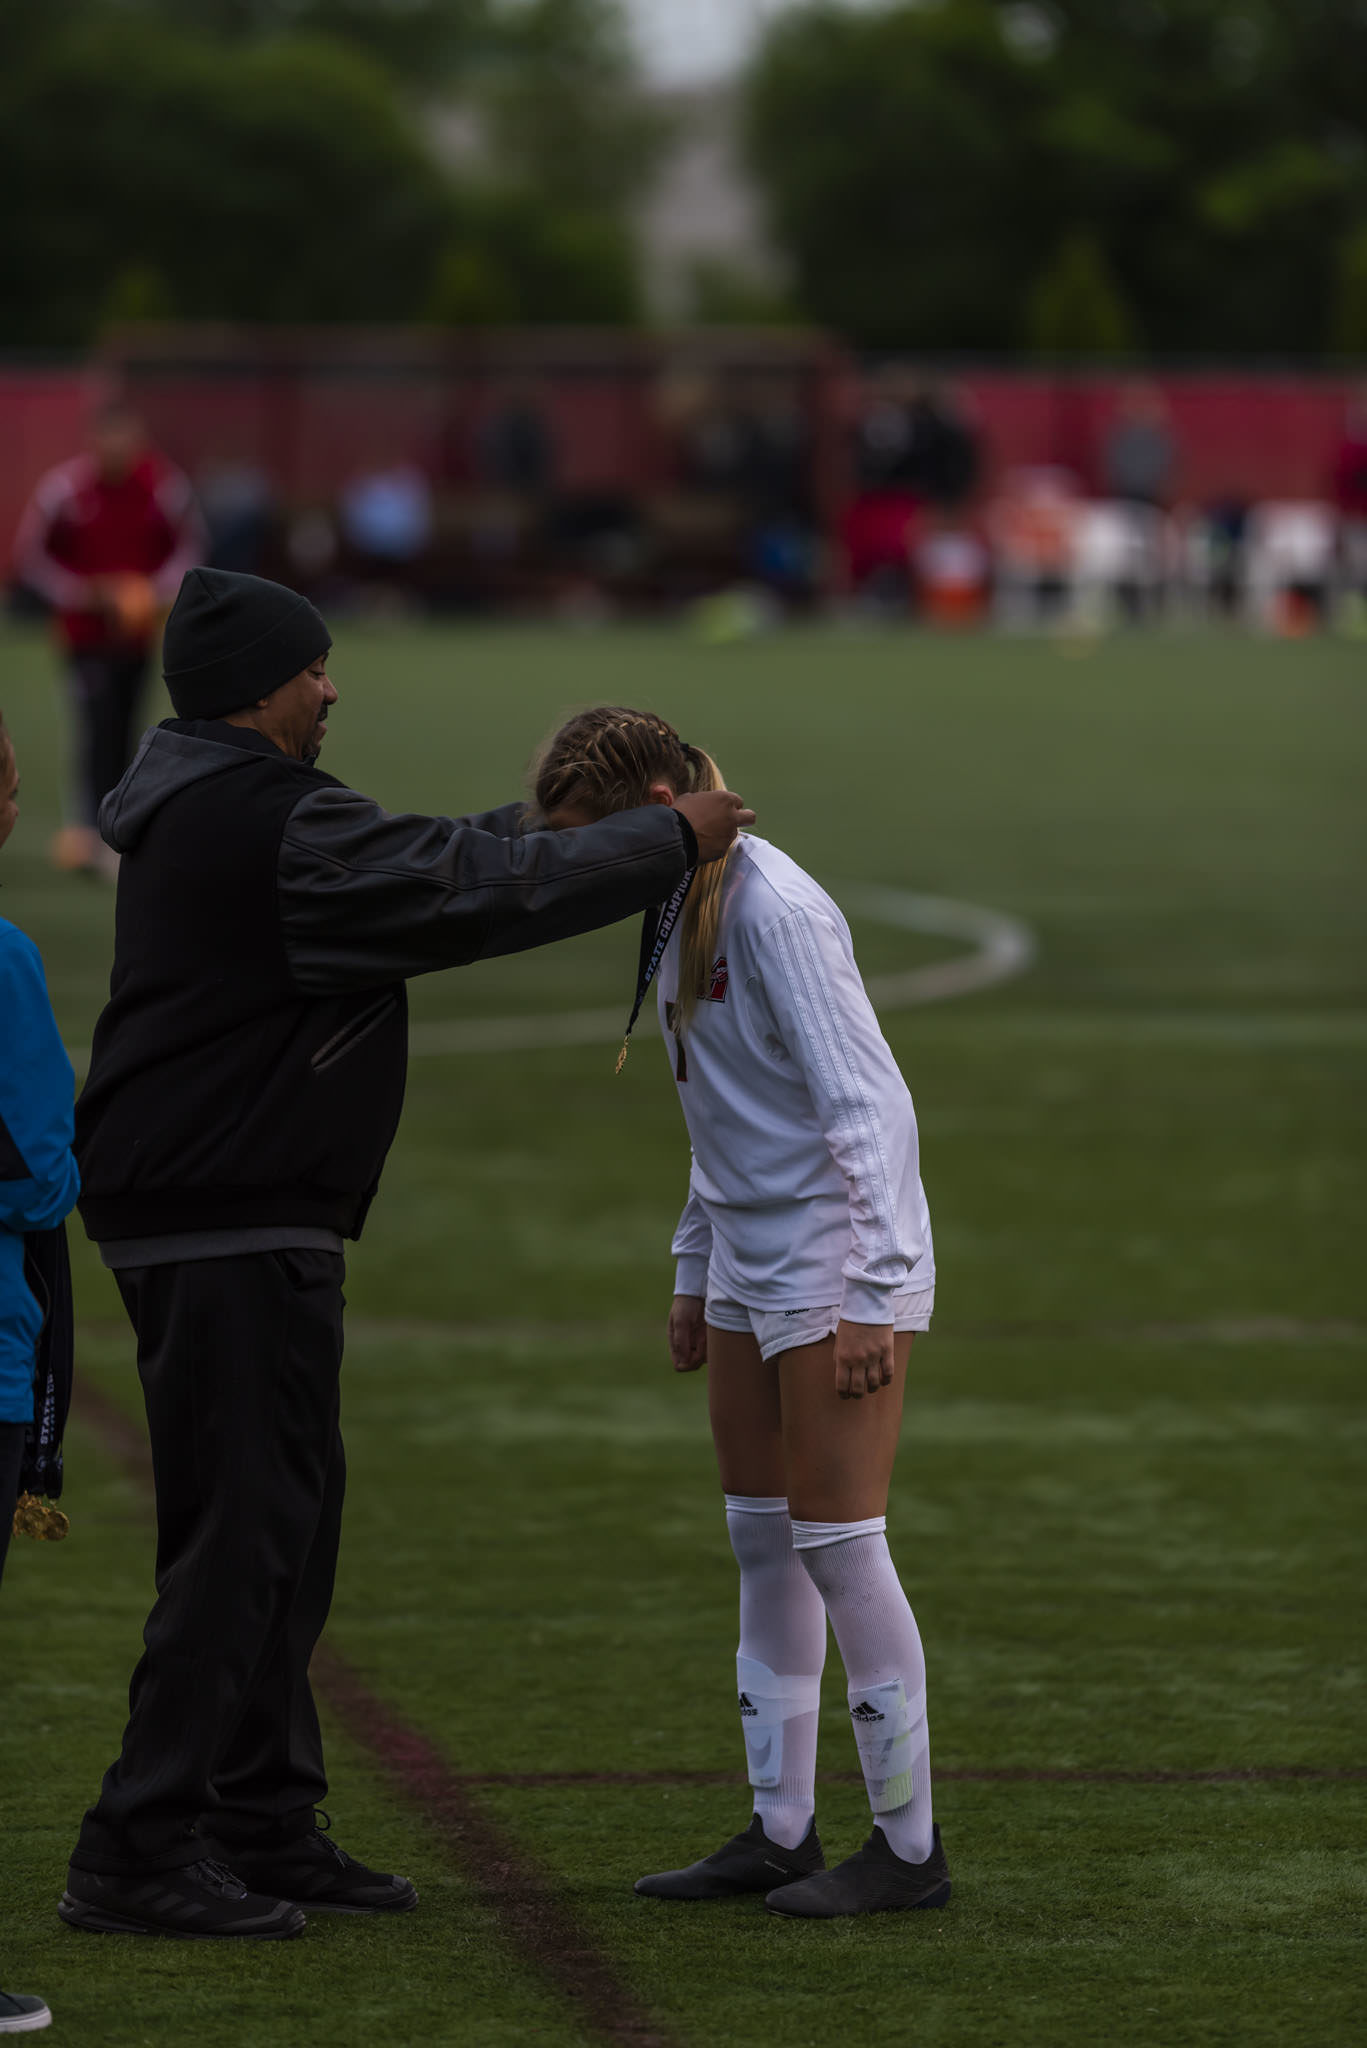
(701, 927)
(605, 760)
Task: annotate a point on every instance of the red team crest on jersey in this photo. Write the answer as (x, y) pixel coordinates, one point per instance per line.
(715, 992)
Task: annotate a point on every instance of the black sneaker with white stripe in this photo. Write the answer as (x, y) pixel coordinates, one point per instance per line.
(20, 2015)
(747, 1863)
(874, 1880)
(312, 1871)
(201, 1901)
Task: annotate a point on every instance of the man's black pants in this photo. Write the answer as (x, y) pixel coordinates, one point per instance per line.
(12, 1439)
(106, 684)
(240, 1361)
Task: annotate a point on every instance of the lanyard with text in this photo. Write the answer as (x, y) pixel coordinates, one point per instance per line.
(654, 938)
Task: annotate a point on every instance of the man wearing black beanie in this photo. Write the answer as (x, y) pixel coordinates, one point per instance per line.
(245, 1084)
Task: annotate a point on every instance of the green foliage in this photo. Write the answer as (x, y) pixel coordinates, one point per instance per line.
(727, 294)
(1076, 308)
(564, 108)
(1349, 334)
(925, 164)
(270, 160)
(139, 293)
(273, 181)
(510, 260)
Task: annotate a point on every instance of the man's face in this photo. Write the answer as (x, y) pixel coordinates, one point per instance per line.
(116, 442)
(9, 791)
(295, 715)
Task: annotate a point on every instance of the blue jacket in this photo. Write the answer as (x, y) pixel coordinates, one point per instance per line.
(38, 1178)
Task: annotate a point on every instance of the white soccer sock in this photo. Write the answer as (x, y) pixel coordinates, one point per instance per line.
(778, 1665)
(851, 1567)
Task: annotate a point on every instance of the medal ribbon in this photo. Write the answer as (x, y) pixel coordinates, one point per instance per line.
(654, 938)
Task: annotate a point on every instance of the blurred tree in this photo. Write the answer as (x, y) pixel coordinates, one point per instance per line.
(274, 160)
(1076, 308)
(567, 115)
(509, 260)
(278, 181)
(725, 293)
(1348, 336)
(139, 292)
(923, 164)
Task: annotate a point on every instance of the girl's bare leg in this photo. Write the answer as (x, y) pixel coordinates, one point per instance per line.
(837, 1455)
(747, 1423)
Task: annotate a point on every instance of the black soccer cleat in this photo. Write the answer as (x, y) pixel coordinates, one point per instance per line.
(197, 1902)
(21, 2015)
(747, 1863)
(873, 1880)
(312, 1871)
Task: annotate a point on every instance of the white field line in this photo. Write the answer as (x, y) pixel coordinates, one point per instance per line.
(1001, 947)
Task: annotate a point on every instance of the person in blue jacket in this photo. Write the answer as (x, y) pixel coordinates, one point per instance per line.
(38, 1188)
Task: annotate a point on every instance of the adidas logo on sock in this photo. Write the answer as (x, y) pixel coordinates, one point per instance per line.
(864, 1712)
(747, 1706)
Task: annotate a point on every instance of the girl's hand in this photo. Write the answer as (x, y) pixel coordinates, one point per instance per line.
(687, 1333)
(863, 1359)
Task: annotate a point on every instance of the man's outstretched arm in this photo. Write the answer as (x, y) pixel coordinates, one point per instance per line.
(368, 897)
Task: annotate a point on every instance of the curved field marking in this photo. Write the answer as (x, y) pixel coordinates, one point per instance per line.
(1002, 947)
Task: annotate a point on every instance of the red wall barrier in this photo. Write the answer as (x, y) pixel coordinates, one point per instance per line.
(313, 410)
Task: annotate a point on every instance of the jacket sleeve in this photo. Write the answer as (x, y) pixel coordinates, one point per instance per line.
(692, 1244)
(828, 1027)
(38, 1177)
(367, 897)
(35, 564)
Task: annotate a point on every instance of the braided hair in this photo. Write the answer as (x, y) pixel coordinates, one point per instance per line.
(605, 760)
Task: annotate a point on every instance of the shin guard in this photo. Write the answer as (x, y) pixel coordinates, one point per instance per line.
(767, 1701)
(889, 1732)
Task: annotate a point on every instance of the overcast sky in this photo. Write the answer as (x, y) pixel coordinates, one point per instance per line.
(683, 41)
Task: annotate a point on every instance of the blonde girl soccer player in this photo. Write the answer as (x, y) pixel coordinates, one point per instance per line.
(804, 1268)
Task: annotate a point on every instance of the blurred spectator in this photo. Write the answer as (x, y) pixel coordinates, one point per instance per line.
(882, 522)
(944, 458)
(781, 543)
(1139, 455)
(953, 575)
(917, 438)
(387, 515)
(1350, 493)
(311, 547)
(105, 540)
(515, 447)
(238, 506)
(1216, 554)
(1032, 527)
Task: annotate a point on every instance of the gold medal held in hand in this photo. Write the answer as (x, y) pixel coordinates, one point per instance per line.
(39, 1519)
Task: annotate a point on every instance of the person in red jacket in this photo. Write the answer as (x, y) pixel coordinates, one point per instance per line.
(106, 539)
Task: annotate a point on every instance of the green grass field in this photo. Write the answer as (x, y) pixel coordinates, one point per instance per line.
(1129, 1505)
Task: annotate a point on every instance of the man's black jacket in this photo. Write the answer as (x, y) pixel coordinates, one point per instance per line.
(249, 1066)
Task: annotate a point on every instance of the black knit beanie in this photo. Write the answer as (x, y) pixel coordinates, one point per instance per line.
(231, 639)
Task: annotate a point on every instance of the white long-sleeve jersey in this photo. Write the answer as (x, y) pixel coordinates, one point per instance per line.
(805, 1186)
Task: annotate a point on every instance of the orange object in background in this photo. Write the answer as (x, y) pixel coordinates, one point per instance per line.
(133, 606)
(951, 571)
(73, 848)
(1296, 613)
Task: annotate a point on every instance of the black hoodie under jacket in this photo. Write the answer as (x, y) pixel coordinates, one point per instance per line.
(248, 1069)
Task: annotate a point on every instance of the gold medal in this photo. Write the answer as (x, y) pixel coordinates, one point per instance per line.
(622, 1055)
(39, 1519)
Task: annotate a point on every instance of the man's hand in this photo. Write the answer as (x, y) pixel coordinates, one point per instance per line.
(716, 816)
(687, 1333)
(863, 1359)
